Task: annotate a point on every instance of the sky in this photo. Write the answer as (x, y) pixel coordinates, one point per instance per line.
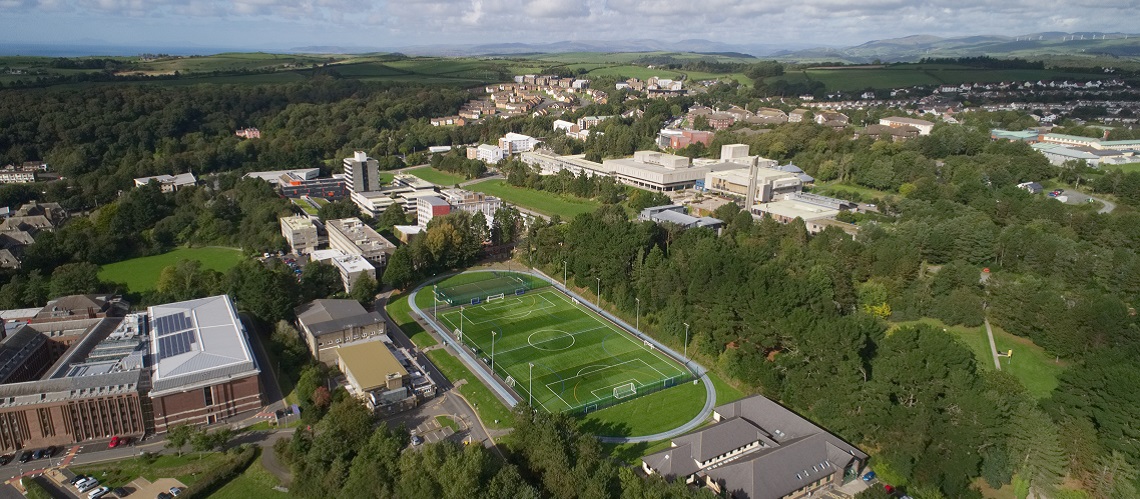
(286, 24)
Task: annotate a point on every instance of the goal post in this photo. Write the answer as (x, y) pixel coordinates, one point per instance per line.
(499, 296)
(510, 381)
(626, 390)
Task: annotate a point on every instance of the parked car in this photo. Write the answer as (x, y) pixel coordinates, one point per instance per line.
(174, 491)
(99, 492)
(25, 456)
(38, 454)
(870, 475)
(114, 442)
(163, 495)
(6, 458)
(87, 485)
(120, 492)
(78, 478)
(890, 489)
(51, 451)
(416, 440)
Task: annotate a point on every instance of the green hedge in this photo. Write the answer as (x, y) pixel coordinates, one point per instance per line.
(214, 479)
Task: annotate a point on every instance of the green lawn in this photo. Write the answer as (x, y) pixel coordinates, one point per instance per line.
(401, 313)
(447, 422)
(1030, 364)
(442, 179)
(254, 483)
(1126, 168)
(141, 274)
(542, 202)
(649, 414)
(186, 468)
(838, 190)
(305, 207)
(725, 392)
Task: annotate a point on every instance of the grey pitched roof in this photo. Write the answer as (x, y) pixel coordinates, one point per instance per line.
(328, 316)
(673, 462)
(776, 472)
(721, 438)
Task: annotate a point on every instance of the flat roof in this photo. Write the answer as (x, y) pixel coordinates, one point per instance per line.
(298, 222)
(197, 343)
(909, 121)
(326, 254)
(370, 363)
(353, 263)
(795, 209)
(273, 176)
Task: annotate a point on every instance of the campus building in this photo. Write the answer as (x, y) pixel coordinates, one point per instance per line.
(300, 232)
(817, 212)
(758, 449)
(361, 172)
(658, 171)
(328, 324)
(353, 237)
(168, 183)
(203, 369)
(924, 127)
(429, 207)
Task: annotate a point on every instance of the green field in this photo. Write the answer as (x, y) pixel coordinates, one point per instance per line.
(442, 179)
(254, 482)
(581, 362)
(907, 75)
(650, 414)
(1030, 364)
(542, 202)
(141, 274)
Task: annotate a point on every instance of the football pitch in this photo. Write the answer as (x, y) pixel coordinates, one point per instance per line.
(580, 361)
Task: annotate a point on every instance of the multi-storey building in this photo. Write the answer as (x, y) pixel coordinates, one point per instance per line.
(300, 232)
(353, 237)
(362, 173)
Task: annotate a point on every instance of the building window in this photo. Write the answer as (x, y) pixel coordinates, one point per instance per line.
(208, 394)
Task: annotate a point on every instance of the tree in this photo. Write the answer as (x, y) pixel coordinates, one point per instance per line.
(187, 280)
(178, 436)
(393, 215)
(1035, 449)
(319, 280)
(364, 289)
(337, 210)
(400, 271)
(75, 279)
(267, 290)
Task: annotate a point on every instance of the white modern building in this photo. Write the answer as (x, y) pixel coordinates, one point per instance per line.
(169, 183)
(473, 202)
(924, 127)
(658, 171)
(489, 153)
(550, 163)
(350, 267)
(513, 143)
(362, 173)
(429, 207)
(274, 177)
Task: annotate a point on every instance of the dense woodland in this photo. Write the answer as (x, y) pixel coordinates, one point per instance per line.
(802, 318)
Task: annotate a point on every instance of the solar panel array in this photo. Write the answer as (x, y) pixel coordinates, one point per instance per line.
(175, 336)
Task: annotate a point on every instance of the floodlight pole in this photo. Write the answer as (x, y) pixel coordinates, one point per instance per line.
(460, 320)
(637, 316)
(686, 341)
(493, 334)
(564, 273)
(435, 298)
(530, 386)
(598, 301)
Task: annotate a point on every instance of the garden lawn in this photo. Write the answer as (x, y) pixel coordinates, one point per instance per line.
(648, 414)
(1030, 364)
(141, 274)
(186, 468)
(546, 203)
(254, 483)
(401, 313)
(442, 179)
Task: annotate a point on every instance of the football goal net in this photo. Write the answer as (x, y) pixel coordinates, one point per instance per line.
(626, 390)
(499, 296)
(510, 382)
(484, 285)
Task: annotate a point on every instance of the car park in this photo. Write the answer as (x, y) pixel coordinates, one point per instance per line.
(78, 478)
(6, 458)
(113, 443)
(87, 485)
(51, 451)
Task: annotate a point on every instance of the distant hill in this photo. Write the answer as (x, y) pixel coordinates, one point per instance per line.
(1029, 46)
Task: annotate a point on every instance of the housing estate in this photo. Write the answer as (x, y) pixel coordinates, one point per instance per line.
(758, 449)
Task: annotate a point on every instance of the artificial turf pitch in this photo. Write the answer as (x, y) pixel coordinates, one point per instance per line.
(578, 357)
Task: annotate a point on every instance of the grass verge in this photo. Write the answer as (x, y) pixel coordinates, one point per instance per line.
(401, 312)
(141, 274)
(254, 482)
(186, 468)
(447, 422)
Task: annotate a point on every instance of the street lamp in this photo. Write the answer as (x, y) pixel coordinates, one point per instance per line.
(686, 341)
(637, 316)
(435, 298)
(530, 386)
(461, 322)
(493, 334)
(564, 273)
(598, 300)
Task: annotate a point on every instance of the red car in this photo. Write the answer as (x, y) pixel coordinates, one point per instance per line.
(114, 443)
(889, 489)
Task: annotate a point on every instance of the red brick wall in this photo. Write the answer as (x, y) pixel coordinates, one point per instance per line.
(189, 407)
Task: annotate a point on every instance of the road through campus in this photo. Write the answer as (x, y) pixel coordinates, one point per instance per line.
(506, 395)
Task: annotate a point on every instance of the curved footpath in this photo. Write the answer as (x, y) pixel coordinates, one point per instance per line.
(491, 381)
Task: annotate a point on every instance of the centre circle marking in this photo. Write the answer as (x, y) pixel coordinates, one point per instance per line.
(544, 338)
